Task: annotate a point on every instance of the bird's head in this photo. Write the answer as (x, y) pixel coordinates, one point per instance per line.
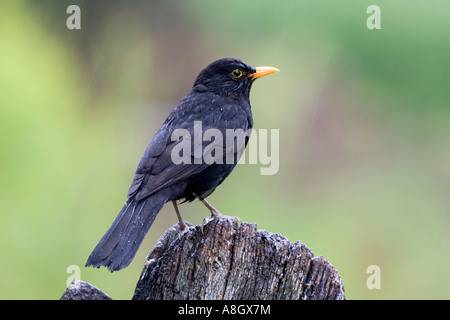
(231, 77)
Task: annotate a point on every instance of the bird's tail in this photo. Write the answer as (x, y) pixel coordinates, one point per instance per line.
(120, 243)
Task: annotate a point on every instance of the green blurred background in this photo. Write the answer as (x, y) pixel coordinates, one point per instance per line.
(364, 120)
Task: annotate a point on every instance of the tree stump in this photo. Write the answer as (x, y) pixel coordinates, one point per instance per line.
(234, 262)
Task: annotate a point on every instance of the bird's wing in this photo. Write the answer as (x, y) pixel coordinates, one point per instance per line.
(157, 169)
(165, 171)
(154, 149)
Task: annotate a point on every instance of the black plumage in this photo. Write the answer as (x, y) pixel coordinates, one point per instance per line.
(219, 99)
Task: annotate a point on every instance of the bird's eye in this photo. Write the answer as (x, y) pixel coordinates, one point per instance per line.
(237, 73)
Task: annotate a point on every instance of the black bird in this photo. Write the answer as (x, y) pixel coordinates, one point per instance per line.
(219, 99)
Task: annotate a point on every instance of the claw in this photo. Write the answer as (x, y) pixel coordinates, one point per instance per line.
(208, 220)
(218, 215)
(214, 213)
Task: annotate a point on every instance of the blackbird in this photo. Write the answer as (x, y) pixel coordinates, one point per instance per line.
(219, 99)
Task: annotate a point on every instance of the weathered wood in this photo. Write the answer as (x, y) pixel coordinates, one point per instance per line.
(232, 261)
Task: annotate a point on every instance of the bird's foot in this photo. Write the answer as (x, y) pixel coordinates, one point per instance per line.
(181, 223)
(182, 230)
(215, 214)
(182, 226)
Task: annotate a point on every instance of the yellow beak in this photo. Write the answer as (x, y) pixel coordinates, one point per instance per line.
(263, 71)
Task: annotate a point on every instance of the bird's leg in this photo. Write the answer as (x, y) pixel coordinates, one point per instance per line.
(214, 212)
(180, 220)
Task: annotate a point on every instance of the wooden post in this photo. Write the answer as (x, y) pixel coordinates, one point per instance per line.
(228, 261)
(232, 261)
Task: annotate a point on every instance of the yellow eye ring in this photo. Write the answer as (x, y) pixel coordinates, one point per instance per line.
(237, 73)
